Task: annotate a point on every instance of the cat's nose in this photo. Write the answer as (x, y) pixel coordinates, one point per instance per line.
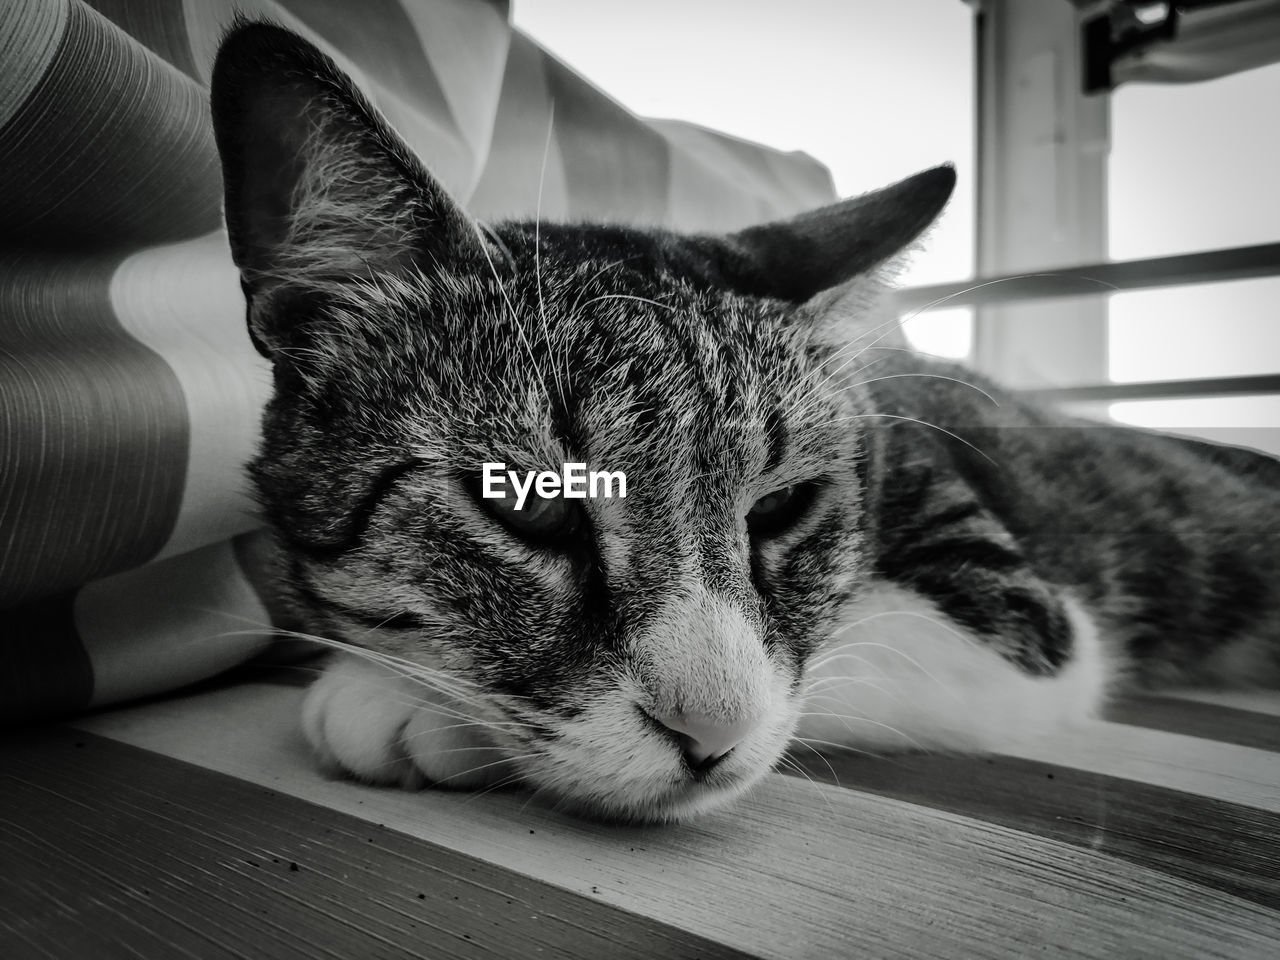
(705, 741)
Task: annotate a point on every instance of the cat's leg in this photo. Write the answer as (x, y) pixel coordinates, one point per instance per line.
(898, 673)
(368, 722)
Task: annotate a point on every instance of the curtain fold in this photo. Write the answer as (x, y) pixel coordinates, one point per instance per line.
(129, 391)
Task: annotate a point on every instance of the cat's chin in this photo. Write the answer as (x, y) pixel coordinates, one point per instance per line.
(668, 804)
(653, 787)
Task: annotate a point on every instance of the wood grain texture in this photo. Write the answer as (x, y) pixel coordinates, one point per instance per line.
(1209, 721)
(797, 869)
(1210, 768)
(110, 851)
(1254, 701)
(1221, 845)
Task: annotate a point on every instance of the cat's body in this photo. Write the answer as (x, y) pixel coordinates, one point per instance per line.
(821, 533)
(1172, 544)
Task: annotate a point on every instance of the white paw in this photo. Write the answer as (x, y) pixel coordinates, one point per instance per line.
(368, 722)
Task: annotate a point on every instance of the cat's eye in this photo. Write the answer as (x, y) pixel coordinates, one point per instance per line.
(775, 512)
(540, 519)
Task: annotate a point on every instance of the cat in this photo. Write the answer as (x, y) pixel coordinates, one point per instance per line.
(827, 538)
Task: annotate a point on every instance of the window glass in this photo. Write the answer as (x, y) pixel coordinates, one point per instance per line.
(1193, 168)
(1205, 330)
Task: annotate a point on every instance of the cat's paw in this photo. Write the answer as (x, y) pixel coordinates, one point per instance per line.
(368, 722)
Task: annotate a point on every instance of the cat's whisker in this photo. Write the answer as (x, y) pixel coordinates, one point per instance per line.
(511, 780)
(942, 301)
(923, 423)
(859, 349)
(454, 687)
(586, 285)
(627, 296)
(413, 668)
(808, 745)
(491, 764)
(811, 399)
(537, 791)
(857, 384)
(924, 376)
(936, 621)
(905, 656)
(425, 677)
(469, 748)
(850, 718)
(469, 722)
(793, 764)
(883, 330)
(838, 747)
(511, 310)
(497, 242)
(815, 685)
(856, 347)
(396, 696)
(840, 681)
(537, 256)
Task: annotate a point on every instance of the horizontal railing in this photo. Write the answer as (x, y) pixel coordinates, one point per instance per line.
(1207, 266)
(1162, 389)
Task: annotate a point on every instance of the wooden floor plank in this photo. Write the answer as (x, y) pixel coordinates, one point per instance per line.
(113, 851)
(796, 869)
(1209, 768)
(1256, 701)
(1221, 845)
(1193, 718)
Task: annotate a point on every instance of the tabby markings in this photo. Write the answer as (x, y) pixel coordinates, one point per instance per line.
(574, 482)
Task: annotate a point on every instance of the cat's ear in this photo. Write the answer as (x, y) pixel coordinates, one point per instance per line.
(319, 190)
(838, 259)
(798, 258)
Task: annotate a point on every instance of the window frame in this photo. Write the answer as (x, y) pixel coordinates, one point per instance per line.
(1042, 153)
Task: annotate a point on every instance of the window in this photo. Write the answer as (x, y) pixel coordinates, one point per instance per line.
(1193, 167)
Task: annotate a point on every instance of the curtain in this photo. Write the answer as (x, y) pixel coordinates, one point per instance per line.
(130, 549)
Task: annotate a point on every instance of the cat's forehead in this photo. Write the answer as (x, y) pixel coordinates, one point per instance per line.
(605, 344)
(612, 294)
(647, 256)
(610, 344)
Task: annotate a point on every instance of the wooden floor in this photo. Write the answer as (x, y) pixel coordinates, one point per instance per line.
(198, 827)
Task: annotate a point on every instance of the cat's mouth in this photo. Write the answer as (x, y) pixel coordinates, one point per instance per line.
(596, 793)
(621, 761)
(643, 781)
(694, 793)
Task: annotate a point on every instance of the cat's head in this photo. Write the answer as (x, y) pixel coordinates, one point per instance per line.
(636, 657)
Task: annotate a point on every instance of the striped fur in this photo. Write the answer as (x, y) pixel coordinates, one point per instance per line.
(968, 572)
